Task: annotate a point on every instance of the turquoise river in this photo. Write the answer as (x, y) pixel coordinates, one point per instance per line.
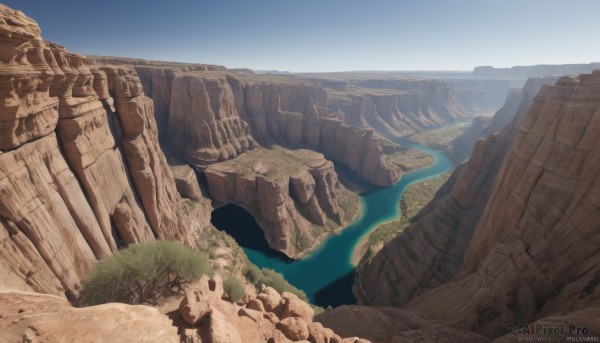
(327, 274)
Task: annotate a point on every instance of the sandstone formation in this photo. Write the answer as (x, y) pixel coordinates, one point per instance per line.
(461, 147)
(295, 196)
(208, 317)
(294, 114)
(81, 172)
(400, 107)
(215, 116)
(203, 121)
(430, 250)
(212, 115)
(203, 315)
(477, 95)
(34, 317)
(530, 247)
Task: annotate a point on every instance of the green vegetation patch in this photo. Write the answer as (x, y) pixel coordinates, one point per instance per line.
(234, 288)
(413, 200)
(440, 138)
(411, 159)
(143, 273)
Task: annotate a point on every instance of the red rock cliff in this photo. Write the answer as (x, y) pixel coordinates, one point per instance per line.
(533, 250)
(81, 172)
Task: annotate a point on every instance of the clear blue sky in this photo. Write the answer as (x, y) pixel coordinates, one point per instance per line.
(322, 35)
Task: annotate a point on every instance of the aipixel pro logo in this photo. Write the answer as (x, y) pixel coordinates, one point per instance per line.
(572, 333)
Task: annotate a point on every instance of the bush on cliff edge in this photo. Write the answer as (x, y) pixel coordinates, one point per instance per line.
(143, 273)
(234, 288)
(269, 277)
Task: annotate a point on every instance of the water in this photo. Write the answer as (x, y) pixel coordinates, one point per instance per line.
(327, 274)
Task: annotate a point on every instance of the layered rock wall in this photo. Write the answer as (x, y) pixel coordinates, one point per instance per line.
(533, 251)
(203, 121)
(400, 107)
(481, 127)
(294, 115)
(430, 251)
(478, 95)
(295, 196)
(81, 173)
(214, 116)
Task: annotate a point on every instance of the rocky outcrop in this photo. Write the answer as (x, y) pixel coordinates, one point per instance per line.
(295, 196)
(81, 173)
(533, 252)
(205, 315)
(34, 317)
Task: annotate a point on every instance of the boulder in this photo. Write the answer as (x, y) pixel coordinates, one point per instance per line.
(222, 329)
(194, 308)
(270, 298)
(292, 306)
(294, 328)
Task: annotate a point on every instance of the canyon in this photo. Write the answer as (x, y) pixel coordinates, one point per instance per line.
(209, 115)
(511, 241)
(99, 153)
(82, 174)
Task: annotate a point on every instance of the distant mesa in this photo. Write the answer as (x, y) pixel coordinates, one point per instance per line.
(535, 70)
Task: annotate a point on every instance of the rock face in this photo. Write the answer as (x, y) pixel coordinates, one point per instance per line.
(388, 324)
(430, 250)
(400, 107)
(481, 127)
(477, 95)
(34, 317)
(81, 172)
(295, 196)
(533, 250)
(203, 121)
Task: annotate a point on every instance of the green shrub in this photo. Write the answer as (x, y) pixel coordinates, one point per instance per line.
(143, 273)
(234, 288)
(271, 278)
(252, 274)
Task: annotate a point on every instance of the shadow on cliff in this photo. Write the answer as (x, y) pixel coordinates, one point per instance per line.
(240, 224)
(351, 180)
(338, 292)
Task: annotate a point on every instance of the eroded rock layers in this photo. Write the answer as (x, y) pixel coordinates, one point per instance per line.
(400, 107)
(295, 196)
(533, 250)
(81, 172)
(214, 116)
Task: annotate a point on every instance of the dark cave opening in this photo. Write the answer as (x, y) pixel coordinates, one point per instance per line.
(241, 225)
